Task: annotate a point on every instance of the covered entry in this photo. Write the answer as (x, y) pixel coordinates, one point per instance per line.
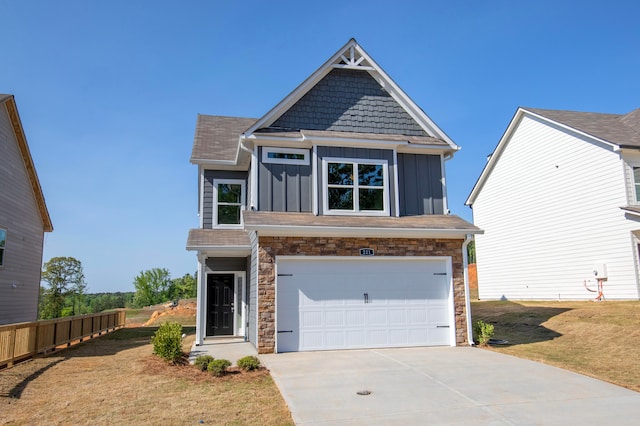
(225, 304)
(327, 303)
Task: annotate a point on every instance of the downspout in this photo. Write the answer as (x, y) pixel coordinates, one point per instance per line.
(465, 264)
(252, 203)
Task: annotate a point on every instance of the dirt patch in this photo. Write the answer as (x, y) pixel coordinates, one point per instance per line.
(184, 311)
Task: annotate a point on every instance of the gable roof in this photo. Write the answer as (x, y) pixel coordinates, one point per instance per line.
(16, 124)
(621, 130)
(216, 140)
(617, 130)
(348, 92)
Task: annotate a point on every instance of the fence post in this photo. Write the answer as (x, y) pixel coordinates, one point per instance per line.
(12, 345)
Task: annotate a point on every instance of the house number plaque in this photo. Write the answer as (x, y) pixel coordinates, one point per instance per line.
(366, 252)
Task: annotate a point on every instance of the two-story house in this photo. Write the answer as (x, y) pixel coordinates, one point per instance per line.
(324, 224)
(24, 219)
(558, 199)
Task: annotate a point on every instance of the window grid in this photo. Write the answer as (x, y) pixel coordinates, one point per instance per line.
(356, 186)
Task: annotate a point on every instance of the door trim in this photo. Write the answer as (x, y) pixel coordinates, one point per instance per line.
(240, 310)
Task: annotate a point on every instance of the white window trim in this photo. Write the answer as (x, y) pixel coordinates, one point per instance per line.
(243, 203)
(266, 150)
(634, 184)
(355, 162)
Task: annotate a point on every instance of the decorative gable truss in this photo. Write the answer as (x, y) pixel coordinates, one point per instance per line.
(350, 93)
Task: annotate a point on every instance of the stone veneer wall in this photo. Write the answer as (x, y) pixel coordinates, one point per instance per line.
(270, 247)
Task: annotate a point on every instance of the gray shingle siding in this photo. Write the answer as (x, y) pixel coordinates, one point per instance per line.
(349, 101)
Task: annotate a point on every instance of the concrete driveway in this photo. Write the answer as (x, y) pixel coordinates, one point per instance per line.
(459, 385)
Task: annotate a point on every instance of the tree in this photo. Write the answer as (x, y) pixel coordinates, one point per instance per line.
(152, 286)
(184, 287)
(64, 276)
(471, 252)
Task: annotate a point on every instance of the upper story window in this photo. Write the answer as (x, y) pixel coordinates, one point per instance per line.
(285, 156)
(229, 195)
(3, 242)
(636, 183)
(355, 186)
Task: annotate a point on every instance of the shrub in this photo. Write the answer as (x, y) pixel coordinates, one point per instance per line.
(483, 332)
(249, 363)
(218, 367)
(167, 341)
(203, 361)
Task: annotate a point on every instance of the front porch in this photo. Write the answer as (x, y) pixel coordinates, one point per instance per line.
(229, 348)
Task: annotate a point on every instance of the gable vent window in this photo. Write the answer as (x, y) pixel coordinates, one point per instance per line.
(285, 156)
(3, 242)
(229, 196)
(356, 187)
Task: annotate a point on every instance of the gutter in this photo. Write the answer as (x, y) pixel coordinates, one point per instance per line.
(465, 264)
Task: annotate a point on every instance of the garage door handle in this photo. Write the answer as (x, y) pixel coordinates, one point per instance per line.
(439, 273)
(442, 326)
(285, 331)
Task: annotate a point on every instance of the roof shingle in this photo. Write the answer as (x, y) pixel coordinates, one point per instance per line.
(621, 130)
(216, 139)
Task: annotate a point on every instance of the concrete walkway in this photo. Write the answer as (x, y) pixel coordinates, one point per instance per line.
(229, 348)
(462, 385)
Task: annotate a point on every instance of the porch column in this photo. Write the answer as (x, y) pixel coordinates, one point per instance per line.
(200, 300)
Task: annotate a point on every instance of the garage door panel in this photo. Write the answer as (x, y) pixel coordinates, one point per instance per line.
(397, 317)
(324, 303)
(355, 318)
(377, 317)
(417, 316)
(311, 319)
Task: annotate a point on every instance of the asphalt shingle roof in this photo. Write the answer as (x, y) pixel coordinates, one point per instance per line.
(216, 138)
(208, 238)
(431, 222)
(622, 130)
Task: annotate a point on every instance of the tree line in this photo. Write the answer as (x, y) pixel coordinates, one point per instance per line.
(65, 291)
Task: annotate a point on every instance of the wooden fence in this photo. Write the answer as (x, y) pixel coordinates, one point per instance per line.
(27, 339)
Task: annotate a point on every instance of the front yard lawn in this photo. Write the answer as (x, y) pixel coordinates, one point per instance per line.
(598, 339)
(114, 379)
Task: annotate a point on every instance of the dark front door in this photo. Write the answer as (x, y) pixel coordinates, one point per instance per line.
(220, 304)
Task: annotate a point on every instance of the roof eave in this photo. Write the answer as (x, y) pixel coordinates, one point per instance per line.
(221, 251)
(16, 123)
(338, 231)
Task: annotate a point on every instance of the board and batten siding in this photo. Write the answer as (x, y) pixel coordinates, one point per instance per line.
(19, 215)
(284, 187)
(207, 192)
(420, 184)
(357, 153)
(550, 210)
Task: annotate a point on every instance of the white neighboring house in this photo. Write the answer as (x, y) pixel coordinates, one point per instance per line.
(560, 195)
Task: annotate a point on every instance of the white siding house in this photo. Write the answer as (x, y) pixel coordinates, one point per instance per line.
(557, 198)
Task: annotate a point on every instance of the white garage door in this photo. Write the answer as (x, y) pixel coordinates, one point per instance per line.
(347, 303)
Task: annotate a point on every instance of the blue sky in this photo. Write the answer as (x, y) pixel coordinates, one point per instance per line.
(108, 93)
